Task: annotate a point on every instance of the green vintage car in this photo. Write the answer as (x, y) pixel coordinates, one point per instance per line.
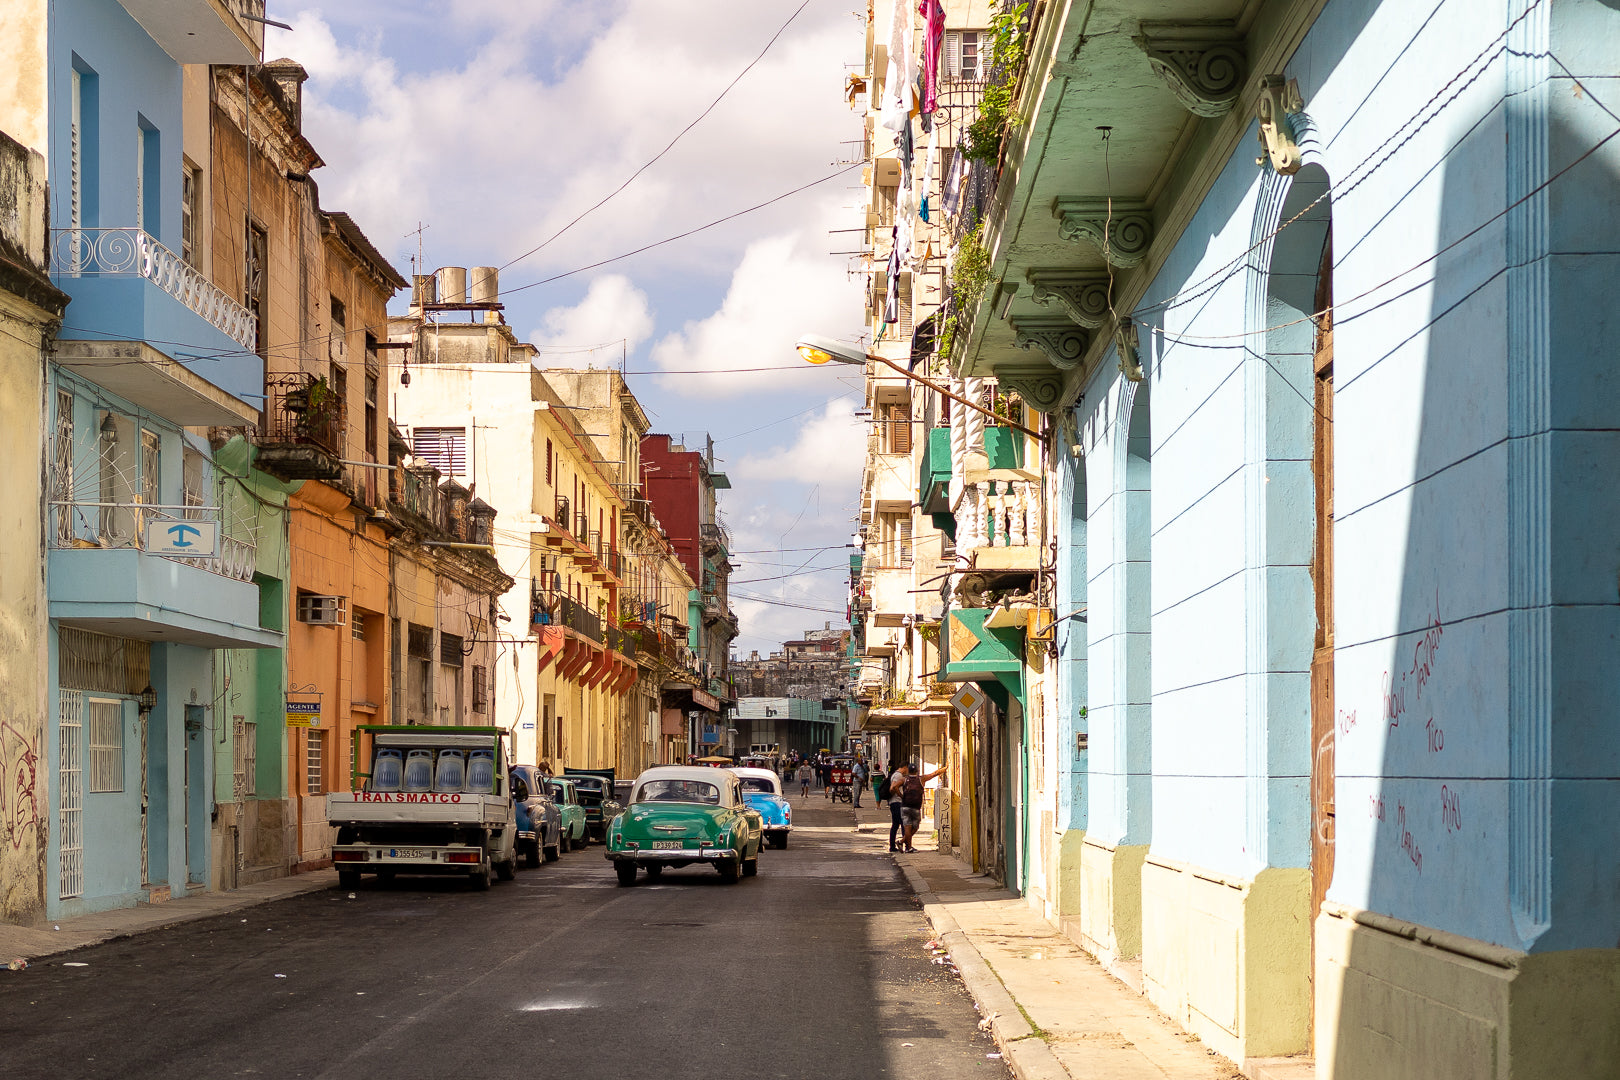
(682, 814)
(564, 794)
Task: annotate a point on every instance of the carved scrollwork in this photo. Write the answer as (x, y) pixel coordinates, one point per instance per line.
(1063, 342)
(1083, 297)
(1040, 388)
(1279, 100)
(1203, 64)
(1122, 232)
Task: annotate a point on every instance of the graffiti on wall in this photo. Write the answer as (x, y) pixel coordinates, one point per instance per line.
(19, 801)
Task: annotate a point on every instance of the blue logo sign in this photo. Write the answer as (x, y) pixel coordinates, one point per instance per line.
(183, 535)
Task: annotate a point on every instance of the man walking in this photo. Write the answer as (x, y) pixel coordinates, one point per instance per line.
(890, 792)
(804, 780)
(857, 778)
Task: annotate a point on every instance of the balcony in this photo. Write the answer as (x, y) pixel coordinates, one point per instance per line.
(128, 287)
(714, 538)
(202, 31)
(304, 436)
(125, 569)
(578, 618)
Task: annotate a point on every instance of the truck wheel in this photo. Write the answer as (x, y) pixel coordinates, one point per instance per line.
(626, 871)
(348, 879)
(551, 854)
(480, 878)
(506, 870)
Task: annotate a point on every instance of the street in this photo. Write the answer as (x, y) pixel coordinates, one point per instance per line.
(816, 968)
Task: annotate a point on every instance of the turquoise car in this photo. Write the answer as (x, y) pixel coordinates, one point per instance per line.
(679, 815)
(762, 790)
(566, 796)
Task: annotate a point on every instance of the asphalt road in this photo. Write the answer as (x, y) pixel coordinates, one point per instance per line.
(815, 969)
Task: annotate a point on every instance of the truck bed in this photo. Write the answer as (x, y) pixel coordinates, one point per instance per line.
(415, 807)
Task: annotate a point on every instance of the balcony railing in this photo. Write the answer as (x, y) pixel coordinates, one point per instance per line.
(132, 252)
(302, 409)
(125, 525)
(715, 536)
(578, 618)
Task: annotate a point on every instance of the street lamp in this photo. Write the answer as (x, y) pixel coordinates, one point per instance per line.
(819, 349)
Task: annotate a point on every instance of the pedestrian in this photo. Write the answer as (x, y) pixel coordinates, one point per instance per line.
(804, 781)
(857, 777)
(826, 779)
(879, 778)
(911, 802)
(890, 791)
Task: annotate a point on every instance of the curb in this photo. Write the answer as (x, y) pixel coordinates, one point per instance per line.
(33, 942)
(1027, 1054)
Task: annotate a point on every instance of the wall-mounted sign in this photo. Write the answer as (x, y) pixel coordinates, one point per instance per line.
(528, 725)
(708, 701)
(196, 538)
(303, 714)
(969, 700)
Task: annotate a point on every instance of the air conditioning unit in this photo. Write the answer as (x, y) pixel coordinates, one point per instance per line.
(322, 610)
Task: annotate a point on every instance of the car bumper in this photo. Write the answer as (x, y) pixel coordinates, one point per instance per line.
(682, 855)
(778, 828)
(373, 859)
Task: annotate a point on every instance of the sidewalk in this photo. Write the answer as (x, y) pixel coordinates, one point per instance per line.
(47, 939)
(1054, 1011)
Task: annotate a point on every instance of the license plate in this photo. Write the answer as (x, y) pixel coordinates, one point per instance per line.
(409, 853)
(668, 845)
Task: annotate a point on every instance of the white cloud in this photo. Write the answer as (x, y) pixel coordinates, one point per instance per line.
(827, 450)
(613, 309)
(780, 289)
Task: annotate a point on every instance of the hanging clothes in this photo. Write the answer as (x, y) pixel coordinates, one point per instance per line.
(899, 96)
(933, 44)
(891, 295)
(908, 151)
(928, 171)
(951, 196)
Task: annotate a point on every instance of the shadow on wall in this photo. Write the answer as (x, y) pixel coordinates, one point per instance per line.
(1474, 712)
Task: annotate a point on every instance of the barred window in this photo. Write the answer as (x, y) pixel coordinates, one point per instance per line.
(314, 761)
(106, 744)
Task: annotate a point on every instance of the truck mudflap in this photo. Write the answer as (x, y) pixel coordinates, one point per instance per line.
(417, 858)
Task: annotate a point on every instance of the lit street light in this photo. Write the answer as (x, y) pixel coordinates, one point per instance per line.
(819, 349)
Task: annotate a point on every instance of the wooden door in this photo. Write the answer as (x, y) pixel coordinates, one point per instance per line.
(1322, 704)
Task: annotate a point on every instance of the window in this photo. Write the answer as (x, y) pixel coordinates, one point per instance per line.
(106, 744)
(256, 258)
(61, 487)
(444, 448)
(338, 339)
(480, 689)
(246, 757)
(451, 653)
(548, 461)
(314, 761)
(322, 610)
(899, 427)
(962, 59)
(371, 416)
(190, 213)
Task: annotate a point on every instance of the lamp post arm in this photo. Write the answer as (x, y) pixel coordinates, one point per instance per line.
(1002, 420)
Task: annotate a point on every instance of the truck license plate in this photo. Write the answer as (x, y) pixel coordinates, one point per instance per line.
(668, 845)
(409, 853)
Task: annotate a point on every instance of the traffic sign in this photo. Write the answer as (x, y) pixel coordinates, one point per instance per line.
(969, 700)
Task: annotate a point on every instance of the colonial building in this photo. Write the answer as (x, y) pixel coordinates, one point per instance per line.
(1298, 298)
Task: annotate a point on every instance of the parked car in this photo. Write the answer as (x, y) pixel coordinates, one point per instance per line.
(621, 792)
(566, 796)
(681, 814)
(762, 790)
(539, 820)
(595, 787)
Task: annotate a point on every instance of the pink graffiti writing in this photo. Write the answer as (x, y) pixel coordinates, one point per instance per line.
(1409, 843)
(1347, 721)
(1437, 736)
(19, 807)
(1418, 674)
(1375, 807)
(1450, 809)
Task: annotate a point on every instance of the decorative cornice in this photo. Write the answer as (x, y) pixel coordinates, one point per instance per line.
(1040, 386)
(1122, 232)
(1063, 342)
(1083, 297)
(1203, 63)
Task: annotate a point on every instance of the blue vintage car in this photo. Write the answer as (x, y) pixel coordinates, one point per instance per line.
(762, 791)
(539, 821)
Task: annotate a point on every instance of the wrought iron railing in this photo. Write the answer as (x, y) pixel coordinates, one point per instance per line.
(302, 409)
(132, 252)
(125, 525)
(578, 618)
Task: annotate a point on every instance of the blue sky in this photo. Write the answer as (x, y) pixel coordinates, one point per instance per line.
(496, 122)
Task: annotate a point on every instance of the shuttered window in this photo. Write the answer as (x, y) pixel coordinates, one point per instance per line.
(900, 428)
(106, 745)
(444, 448)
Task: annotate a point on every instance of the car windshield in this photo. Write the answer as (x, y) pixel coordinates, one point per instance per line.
(758, 783)
(557, 792)
(692, 791)
(588, 785)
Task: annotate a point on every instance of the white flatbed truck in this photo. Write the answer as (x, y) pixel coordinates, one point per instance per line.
(435, 800)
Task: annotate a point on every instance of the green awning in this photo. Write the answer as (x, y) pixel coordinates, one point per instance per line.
(934, 479)
(1004, 447)
(975, 652)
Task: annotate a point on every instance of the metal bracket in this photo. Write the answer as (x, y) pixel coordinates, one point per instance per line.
(1279, 99)
(1203, 63)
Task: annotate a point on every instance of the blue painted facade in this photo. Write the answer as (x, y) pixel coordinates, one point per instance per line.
(1476, 421)
(132, 788)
